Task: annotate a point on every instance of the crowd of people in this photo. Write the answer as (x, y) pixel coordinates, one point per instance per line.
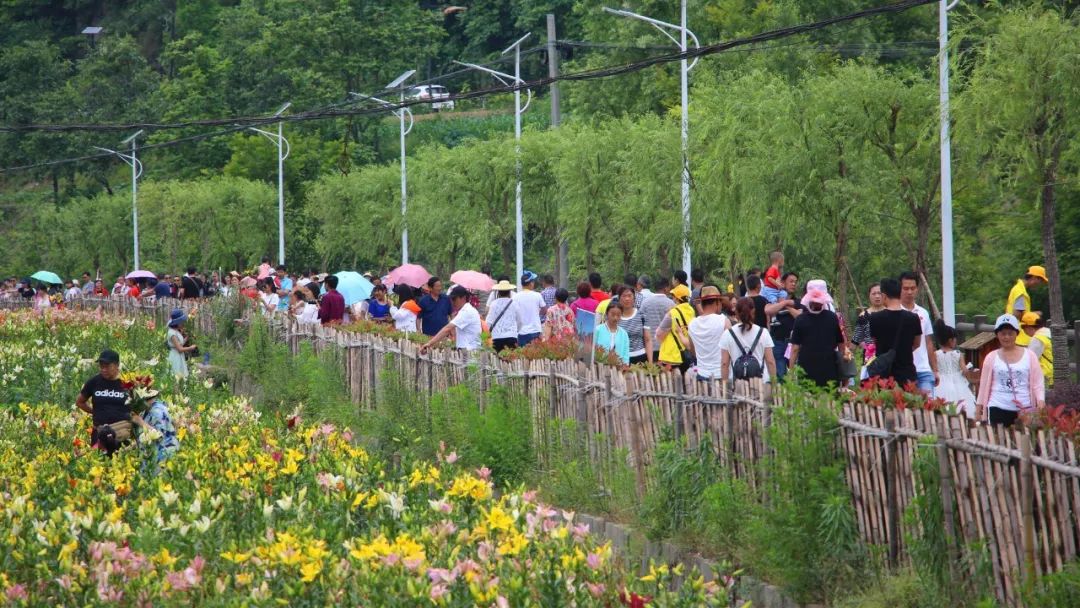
(767, 331)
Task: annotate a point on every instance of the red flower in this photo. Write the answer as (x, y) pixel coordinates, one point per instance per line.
(634, 600)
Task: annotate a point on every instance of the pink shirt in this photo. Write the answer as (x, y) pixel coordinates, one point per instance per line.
(587, 304)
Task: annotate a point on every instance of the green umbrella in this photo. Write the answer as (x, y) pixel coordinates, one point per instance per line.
(47, 277)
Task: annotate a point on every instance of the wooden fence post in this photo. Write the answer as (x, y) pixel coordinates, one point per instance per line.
(1027, 508)
(678, 413)
(948, 503)
(891, 503)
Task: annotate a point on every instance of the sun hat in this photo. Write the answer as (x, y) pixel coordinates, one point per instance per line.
(681, 293)
(176, 317)
(108, 356)
(1030, 319)
(321, 276)
(503, 285)
(1038, 271)
(709, 293)
(817, 290)
(248, 282)
(1006, 320)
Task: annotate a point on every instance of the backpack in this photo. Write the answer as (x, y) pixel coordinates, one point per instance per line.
(746, 366)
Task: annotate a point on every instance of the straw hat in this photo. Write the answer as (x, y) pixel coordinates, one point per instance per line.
(503, 285)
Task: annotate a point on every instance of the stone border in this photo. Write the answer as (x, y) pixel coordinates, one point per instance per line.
(759, 593)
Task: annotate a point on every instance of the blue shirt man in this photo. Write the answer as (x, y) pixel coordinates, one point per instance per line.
(434, 309)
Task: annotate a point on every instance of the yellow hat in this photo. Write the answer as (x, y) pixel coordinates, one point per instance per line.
(1038, 271)
(681, 293)
(1029, 319)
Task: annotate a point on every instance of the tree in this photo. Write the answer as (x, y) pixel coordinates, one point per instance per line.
(1019, 109)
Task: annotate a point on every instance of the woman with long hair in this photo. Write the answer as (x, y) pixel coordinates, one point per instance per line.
(610, 336)
(747, 339)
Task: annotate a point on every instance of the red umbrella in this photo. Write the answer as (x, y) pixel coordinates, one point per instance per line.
(473, 280)
(413, 275)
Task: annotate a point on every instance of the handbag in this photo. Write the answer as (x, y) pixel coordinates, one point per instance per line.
(121, 430)
(845, 368)
(882, 364)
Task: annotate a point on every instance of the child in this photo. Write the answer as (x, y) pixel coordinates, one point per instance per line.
(610, 336)
(954, 387)
(772, 289)
(157, 425)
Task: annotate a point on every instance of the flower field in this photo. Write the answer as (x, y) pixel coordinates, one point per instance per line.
(262, 509)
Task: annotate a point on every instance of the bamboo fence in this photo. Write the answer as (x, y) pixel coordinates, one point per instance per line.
(1014, 491)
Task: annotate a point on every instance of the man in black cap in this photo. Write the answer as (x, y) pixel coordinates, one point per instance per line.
(106, 400)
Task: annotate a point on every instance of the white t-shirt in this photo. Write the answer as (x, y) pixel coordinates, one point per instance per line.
(404, 319)
(508, 321)
(746, 338)
(467, 322)
(529, 304)
(1009, 390)
(922, 358)
(309, 315)
(706, 333)
(271, 300)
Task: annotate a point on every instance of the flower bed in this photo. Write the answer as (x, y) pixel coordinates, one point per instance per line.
(266, 510)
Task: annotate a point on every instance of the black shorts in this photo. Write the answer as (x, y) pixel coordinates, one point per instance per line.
(1002, 417)
(502, 344)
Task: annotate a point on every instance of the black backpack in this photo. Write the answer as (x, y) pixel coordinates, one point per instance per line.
(747, 366)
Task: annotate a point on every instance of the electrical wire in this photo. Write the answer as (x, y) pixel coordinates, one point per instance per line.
(584, 75)
(338, 110)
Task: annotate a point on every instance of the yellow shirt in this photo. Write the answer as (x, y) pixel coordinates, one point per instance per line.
(1018, 291)
(1046, 359)
(669, 348)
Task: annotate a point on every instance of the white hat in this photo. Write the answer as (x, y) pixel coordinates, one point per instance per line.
(1006, 320)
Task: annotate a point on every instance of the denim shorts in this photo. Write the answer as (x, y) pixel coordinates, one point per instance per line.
(925, 382)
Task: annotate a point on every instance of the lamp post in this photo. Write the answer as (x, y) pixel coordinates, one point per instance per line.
(518, 111)
(948, 285)
(283, 150)
(136, 172)
(401, 114)
(663, 26)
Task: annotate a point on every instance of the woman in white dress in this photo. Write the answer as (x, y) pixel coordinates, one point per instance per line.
(954, 387)
(177, 343)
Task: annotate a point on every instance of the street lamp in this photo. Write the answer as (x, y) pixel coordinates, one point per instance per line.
(396, 84)
(283, 150)
(518, 110)
(948, 285)
(663, 26)
(136, 172)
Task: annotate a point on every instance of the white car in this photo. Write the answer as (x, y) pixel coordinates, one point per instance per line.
(432, 92)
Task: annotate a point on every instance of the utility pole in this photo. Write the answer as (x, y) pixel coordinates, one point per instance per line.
(948, 285)
(562, 262)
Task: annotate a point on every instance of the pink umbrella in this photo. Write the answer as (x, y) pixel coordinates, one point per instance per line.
(413, 275)
(471, 279)
(141, 274)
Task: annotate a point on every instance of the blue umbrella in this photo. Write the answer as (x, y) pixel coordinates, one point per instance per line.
(353, 286)
(47, 277)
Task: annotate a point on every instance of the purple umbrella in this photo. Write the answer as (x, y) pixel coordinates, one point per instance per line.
(141, 274)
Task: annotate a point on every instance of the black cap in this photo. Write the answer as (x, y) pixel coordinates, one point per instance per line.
(459, 292)
(108, 356)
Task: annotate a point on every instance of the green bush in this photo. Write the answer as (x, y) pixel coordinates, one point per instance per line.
(681, 474)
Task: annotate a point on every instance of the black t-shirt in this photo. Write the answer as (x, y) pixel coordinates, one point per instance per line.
(108, 398)
(760, 319)
(884, 326)
(26, 292)
(817, 336)
(192, 287)
(783, 322)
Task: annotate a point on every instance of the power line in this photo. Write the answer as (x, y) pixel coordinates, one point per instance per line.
(584, 75)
